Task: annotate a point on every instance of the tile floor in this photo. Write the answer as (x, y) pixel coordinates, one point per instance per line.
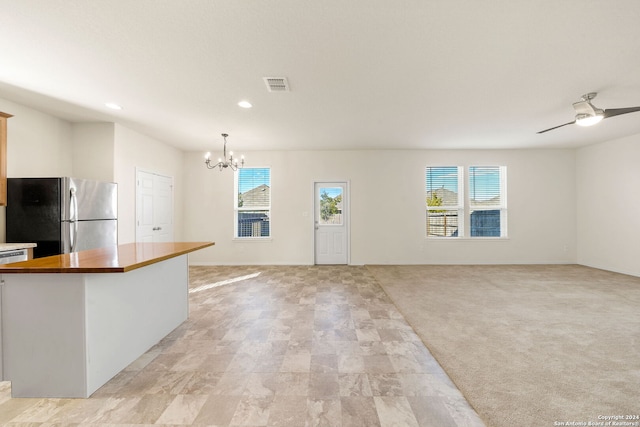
(271, 346)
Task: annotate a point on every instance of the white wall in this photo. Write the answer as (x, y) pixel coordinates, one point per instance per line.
(133, 150)
(608, 205)
(93, 150)
(565, 206)
(38, 145)
(387, 207)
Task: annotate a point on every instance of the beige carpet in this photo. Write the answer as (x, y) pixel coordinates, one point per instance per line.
(528, 345)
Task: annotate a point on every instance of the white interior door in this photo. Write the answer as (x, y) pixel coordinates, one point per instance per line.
(331, 223)
(163, 208)
(154, 207)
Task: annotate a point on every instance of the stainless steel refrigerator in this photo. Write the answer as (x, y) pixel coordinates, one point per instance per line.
(61, 215)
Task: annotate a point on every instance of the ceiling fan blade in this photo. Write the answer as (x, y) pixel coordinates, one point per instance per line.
(556, 127)
(611, 112)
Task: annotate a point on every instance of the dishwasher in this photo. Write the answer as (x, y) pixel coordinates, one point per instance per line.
(7, 257)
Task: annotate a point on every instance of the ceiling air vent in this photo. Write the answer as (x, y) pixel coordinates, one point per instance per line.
(276, 84)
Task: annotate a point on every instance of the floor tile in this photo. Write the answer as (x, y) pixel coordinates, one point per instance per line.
(182, 410)
(395, 411)
(359, 411)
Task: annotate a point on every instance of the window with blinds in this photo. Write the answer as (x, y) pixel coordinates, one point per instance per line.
(444, 205)
(252, 203)
(487, 201)
(484, 209)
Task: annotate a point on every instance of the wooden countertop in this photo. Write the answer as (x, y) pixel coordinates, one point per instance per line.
(113, 259)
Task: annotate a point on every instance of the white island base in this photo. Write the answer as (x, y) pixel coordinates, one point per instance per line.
(67, 334)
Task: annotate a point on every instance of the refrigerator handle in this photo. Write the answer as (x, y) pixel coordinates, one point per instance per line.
(73, 216)
(73, 205)
(73, 238)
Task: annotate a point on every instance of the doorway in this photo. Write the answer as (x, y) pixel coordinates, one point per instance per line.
(154, 207)
(331, 223)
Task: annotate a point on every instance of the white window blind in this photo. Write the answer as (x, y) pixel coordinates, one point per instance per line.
(252, 203)
(484, 186)
(443, 191)
(487, 201)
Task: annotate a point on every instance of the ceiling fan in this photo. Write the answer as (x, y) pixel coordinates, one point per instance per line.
(587, 114)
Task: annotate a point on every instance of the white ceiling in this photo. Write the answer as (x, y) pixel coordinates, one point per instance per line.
(364, 74)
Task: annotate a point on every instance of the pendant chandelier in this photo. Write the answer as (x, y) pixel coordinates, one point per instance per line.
(224, 163)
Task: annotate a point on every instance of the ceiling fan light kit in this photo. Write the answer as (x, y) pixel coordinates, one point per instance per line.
(587, 120)
(587, 114)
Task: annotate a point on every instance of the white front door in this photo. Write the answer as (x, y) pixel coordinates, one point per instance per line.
(154, 207)
(331, 223)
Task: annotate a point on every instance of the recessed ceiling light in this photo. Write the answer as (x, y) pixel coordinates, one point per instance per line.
(113, 106)
(245, 104)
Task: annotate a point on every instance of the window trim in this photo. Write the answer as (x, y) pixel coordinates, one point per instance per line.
(459, 208)
(502, 207)
(464, 211)
(237, 209)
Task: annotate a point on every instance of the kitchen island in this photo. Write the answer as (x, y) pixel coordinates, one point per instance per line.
(71, 322)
